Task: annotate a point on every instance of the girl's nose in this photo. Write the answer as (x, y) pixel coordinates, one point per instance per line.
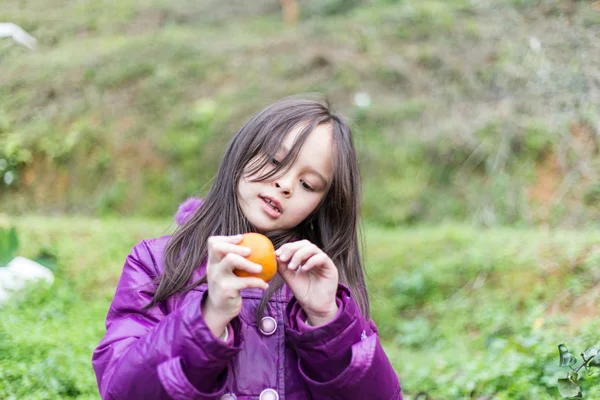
(284, 187)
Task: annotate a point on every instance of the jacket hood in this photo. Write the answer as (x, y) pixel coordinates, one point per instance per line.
(187, 209)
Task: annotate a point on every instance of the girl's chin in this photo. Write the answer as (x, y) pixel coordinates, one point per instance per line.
(267, 226)
(262, 226)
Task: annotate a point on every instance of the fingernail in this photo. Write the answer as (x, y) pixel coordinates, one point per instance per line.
(284, 257)
(278, 252)
(292, 266)
(258, 267)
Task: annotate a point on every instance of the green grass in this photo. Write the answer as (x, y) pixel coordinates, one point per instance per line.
(48, 337)
(462, 312)
(467, 312)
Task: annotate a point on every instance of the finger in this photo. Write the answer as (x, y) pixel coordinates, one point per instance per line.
(214, 240)
(285, 273)
(249, 283)
(316, 261)
(302, 255)
(285, 252)
(229, 239)
(221, 249)
(234, 261)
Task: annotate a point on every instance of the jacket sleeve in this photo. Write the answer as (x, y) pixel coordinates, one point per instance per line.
(154, 355)
(342, 359)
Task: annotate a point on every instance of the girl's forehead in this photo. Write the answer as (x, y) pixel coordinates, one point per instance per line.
(316, 150)
(324, 131)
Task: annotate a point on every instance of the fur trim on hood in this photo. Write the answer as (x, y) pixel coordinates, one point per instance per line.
(187, 209)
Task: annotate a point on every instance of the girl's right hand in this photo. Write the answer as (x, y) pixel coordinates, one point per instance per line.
(224, 301)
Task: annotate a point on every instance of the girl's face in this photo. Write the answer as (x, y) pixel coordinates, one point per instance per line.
(284, 202)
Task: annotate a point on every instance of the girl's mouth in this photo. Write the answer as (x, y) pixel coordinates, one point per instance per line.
(271, 207)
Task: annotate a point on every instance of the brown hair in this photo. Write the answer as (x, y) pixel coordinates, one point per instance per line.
(333, 225)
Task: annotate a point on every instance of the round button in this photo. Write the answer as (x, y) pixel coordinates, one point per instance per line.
(269, 394)
(228, 396)
(268, 326)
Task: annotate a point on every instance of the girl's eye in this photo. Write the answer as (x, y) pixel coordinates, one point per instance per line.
(274, 161)
(307, 186)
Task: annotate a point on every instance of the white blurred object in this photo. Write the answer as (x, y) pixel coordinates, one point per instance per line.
(8, 29)
(18, 273)
(534, 44)
(362, 99)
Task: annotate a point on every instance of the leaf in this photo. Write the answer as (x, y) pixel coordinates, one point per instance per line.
(13, 241)
(9, 244)
(567, 388)
(4, 253)
(595, 361)
(566, 359)
(589, 353)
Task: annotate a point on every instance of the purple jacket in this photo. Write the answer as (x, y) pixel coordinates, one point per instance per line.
(169, 352)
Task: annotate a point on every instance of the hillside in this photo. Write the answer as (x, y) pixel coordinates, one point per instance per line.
(485, 112)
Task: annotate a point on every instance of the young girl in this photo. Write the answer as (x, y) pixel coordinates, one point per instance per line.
(182, 325)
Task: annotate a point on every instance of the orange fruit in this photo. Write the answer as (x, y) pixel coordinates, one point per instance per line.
(262, 252)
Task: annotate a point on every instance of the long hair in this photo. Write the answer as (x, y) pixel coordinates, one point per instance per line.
(332, 226)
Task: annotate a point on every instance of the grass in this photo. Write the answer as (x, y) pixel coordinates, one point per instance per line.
(462, 312)
(470, 312)
(48, 337)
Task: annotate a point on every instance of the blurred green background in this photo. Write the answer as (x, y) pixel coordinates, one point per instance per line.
(478, 128)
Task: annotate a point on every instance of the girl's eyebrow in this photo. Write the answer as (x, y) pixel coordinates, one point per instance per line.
(310, 169)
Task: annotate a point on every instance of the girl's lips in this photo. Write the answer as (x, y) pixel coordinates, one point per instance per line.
(270, 209)
(273, 201)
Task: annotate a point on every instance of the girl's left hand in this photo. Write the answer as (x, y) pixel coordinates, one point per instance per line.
(312, 277)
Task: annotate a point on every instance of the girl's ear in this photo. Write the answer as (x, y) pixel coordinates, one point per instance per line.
(187, 209)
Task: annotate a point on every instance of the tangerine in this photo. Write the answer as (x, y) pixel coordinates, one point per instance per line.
(262, 253)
